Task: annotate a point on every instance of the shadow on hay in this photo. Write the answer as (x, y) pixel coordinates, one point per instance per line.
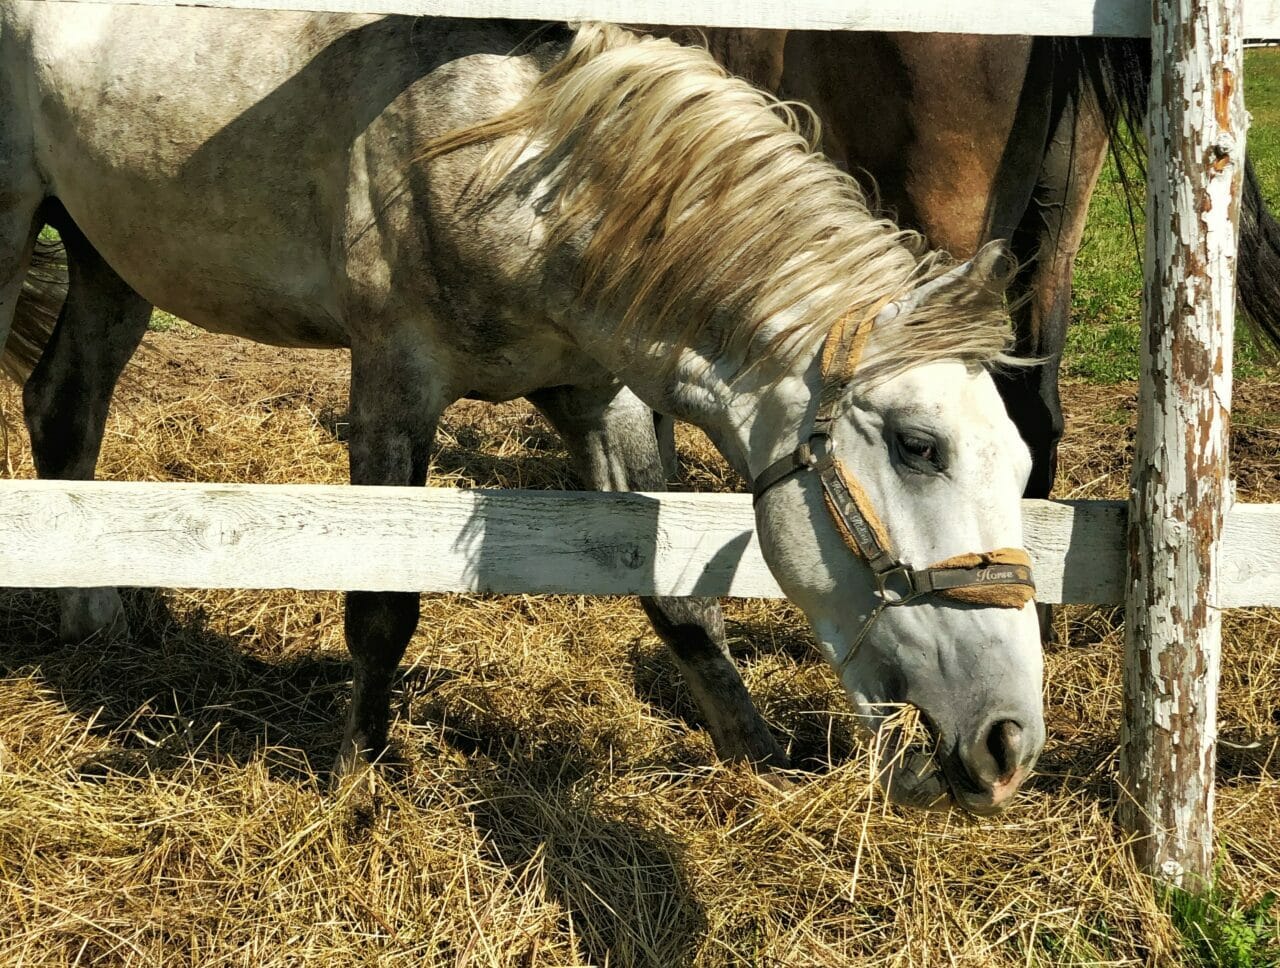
(1088, 768)
(462, 453)
(808, 716)
(605, 858)
(1246, 757)
(540, 794)
(174, 686)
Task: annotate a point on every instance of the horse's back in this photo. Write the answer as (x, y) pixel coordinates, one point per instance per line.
(947, 142)
(220, 159)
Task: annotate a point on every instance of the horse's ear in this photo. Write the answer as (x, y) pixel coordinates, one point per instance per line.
(992, 269)
(986, 274)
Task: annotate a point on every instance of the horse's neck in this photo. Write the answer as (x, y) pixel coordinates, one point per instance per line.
(753, 418)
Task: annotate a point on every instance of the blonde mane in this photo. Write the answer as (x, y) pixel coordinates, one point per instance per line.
(701, 208)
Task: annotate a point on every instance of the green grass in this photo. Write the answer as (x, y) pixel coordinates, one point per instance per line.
(1221, 932)
(162, 322)
(1087, 944)
(1217, 931)
(1102, 342)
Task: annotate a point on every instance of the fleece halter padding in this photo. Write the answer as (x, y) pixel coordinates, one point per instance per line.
(1000, 578)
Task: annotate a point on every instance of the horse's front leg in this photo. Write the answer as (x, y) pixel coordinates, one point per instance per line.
(611, 436)
(66, 398)
(394, 411)
(1045, 244)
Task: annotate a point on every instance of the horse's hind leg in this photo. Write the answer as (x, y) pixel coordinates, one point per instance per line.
(17, 233)
(611, 436)
(67, 396)
(394, 411)
(1045, 244)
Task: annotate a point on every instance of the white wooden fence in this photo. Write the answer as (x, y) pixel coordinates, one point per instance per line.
(1063, 18)
(322, 536)
(1183, 565)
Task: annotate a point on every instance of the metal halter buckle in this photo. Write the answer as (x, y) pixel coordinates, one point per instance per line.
(897, 585)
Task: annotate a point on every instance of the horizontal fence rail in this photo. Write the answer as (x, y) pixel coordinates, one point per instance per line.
(1065, 18)
(59, 533)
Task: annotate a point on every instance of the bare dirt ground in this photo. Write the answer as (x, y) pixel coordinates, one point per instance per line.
(557, 803)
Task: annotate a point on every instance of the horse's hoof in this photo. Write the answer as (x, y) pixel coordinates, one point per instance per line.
(754, 746)
(349, 762)
(87, 612)
(777, 780)
(354, 789)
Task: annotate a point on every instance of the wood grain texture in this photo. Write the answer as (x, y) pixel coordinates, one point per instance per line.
(1181, 491)
(1078, 18)
(1249, 562)
(57, 533)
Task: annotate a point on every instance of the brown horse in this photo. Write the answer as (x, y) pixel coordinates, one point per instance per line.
(969, 139)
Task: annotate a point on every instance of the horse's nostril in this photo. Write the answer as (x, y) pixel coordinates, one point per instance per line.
(992, 765)
(1004, 743)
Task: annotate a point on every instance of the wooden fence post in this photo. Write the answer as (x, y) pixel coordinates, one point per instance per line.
(1181, 490)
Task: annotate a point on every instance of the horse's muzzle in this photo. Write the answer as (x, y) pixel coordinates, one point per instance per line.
(986, 769)
(980, 777)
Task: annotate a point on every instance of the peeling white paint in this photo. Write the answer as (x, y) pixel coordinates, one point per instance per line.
(1181, 488)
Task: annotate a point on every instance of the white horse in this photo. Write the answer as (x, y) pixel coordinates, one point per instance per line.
(599, 222)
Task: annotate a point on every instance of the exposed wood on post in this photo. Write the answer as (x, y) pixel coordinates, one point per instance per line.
(1181, 492)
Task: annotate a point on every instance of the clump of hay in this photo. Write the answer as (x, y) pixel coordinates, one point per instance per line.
(554, 802)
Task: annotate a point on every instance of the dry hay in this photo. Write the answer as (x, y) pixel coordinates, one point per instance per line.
(555, 802)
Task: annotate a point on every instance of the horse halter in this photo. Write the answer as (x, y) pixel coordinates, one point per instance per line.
(999, 578)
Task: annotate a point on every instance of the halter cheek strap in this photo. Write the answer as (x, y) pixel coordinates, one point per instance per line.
(1000, 578)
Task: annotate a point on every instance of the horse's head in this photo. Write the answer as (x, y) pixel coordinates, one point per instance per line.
(896, 526)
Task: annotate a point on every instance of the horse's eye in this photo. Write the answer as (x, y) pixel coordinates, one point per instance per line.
(918, 450)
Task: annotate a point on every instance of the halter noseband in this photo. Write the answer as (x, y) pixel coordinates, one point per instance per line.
(999, 578)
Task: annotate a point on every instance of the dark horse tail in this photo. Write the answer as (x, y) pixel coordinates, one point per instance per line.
(1258, 275)
(1119, 72)
(39, 303)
